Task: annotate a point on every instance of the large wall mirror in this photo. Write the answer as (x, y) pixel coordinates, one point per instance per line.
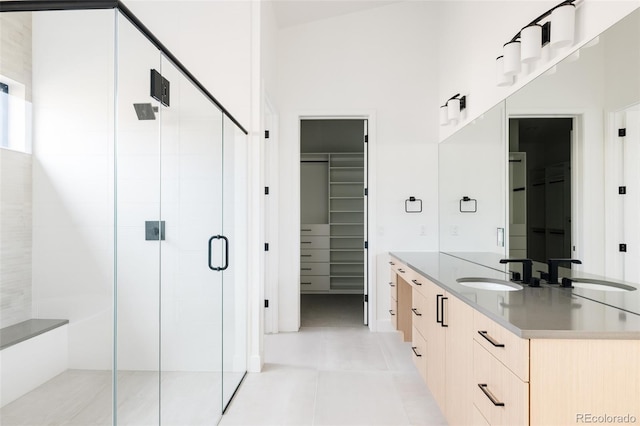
(564, 161)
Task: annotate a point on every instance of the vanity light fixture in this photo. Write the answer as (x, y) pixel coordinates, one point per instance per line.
(555, 27)
(450, 111)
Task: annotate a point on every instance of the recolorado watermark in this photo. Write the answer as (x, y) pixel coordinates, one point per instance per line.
(605, 418)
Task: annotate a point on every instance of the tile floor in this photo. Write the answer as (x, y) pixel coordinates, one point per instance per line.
(334, 375)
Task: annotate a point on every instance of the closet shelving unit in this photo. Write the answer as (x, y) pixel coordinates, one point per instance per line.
(346, 222)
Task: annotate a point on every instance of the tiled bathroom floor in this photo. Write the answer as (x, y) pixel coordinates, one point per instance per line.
(339, 375)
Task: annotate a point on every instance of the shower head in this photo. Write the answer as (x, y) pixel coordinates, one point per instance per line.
(145, 111)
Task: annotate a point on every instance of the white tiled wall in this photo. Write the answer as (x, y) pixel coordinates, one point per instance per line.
(15, 237)
(15, 45)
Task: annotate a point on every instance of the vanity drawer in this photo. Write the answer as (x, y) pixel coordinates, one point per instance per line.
(393, 287)
(314, 229)
(314, 269)
(419, 311)
(321, 255)
(314, 283)
(510, 349)
(500, 396)
(393, 312)
(314, 242)
(417, 281)
(398, 267)
(419, 352)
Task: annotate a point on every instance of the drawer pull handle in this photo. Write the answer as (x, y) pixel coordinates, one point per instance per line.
(392, 284)
(415, 311)
(416, 282)
(391, 263)
(391, 312)
(489, 339)
(306, 269)
(413, 348)
(401, 270)
(493, 399)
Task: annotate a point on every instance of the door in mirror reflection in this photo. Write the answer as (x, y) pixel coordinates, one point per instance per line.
(540, 187)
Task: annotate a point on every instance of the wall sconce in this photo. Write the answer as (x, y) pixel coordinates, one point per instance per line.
(450, 111)
(526, 46)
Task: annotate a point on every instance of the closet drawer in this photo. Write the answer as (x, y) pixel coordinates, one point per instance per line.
(314, 229)
(314, 242)
(310, 255)
(314, 269)
(419, 311)
(510, 349)
(417, 281)
(393, 312)
(419, 352)
(314, 283)
(501, 397)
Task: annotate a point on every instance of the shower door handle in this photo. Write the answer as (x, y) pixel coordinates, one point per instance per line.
(226, 253)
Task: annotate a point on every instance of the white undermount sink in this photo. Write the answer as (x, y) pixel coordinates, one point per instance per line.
(594, 284)
(489, 284)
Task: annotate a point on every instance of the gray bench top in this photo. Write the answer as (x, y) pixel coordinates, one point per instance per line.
(24, 330)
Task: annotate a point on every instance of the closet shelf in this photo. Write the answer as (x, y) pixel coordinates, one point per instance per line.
(346, 211)
(345, 198)
(346, 223)
(347, 183)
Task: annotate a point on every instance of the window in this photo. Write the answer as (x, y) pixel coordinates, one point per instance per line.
(4, 115)
(15, 116)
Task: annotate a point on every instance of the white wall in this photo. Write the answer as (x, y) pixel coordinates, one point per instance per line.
(379, 63)
(472, 34)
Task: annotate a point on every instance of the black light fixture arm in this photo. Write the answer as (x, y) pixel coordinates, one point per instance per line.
(463, 101)
(541, 17)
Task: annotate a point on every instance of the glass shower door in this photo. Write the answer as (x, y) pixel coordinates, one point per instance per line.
(193, 255)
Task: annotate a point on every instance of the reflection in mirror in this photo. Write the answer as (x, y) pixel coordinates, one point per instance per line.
(472, 164)
(573, 161)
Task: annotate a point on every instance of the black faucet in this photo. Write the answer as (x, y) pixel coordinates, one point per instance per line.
(553, 268)
(527, 265)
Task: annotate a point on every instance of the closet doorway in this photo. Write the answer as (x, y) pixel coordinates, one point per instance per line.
(333, 222)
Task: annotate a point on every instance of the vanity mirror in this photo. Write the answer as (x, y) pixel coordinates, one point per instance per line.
(562, 162)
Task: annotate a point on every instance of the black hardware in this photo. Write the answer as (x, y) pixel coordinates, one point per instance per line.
(391, 312)
(391, 284)
(160, 88)
(226, 253)
(519, 189)
(623, 247)
(416, 282)
(546, 33)
(566, 282)
(266, 246)
(622, 190)
(535, 282)
(473, 209)
(402, 271)
(305, 242)
(366, 244)
(266, 303)
(438, 320)
(485, 334)
(305, 283)
(305, 255)
(391, 263)
(483, 387)
(527, 265)
(515, 276)
(366, 298)
(553, 268)
(266, 190)
(154, 230)
(415, 311)
(546, 27)
(413, 209)
(366, 192)
(413, 348)
(366, 138)
(442, 311)
(306, 269)
(266, 134)
(622, 133)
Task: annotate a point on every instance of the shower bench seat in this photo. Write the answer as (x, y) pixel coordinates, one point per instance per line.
(31, 353)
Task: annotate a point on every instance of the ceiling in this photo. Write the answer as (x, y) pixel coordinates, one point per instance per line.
(295, 12)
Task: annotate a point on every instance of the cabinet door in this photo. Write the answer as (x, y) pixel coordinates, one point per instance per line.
(459, 362)
(435, 343)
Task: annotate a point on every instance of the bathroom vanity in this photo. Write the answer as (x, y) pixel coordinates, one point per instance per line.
(534, 355)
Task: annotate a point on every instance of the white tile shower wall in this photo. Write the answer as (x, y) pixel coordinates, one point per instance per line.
(15, 45)
(15, 237)
(72, 179)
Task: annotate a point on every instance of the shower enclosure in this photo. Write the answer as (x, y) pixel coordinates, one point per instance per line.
(123, 212)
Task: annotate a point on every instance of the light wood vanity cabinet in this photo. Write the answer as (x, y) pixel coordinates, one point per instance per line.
(481, 373)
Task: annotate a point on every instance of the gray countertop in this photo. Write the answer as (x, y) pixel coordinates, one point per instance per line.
(533, 312)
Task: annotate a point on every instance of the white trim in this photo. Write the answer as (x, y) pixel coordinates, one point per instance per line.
(369, 115)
